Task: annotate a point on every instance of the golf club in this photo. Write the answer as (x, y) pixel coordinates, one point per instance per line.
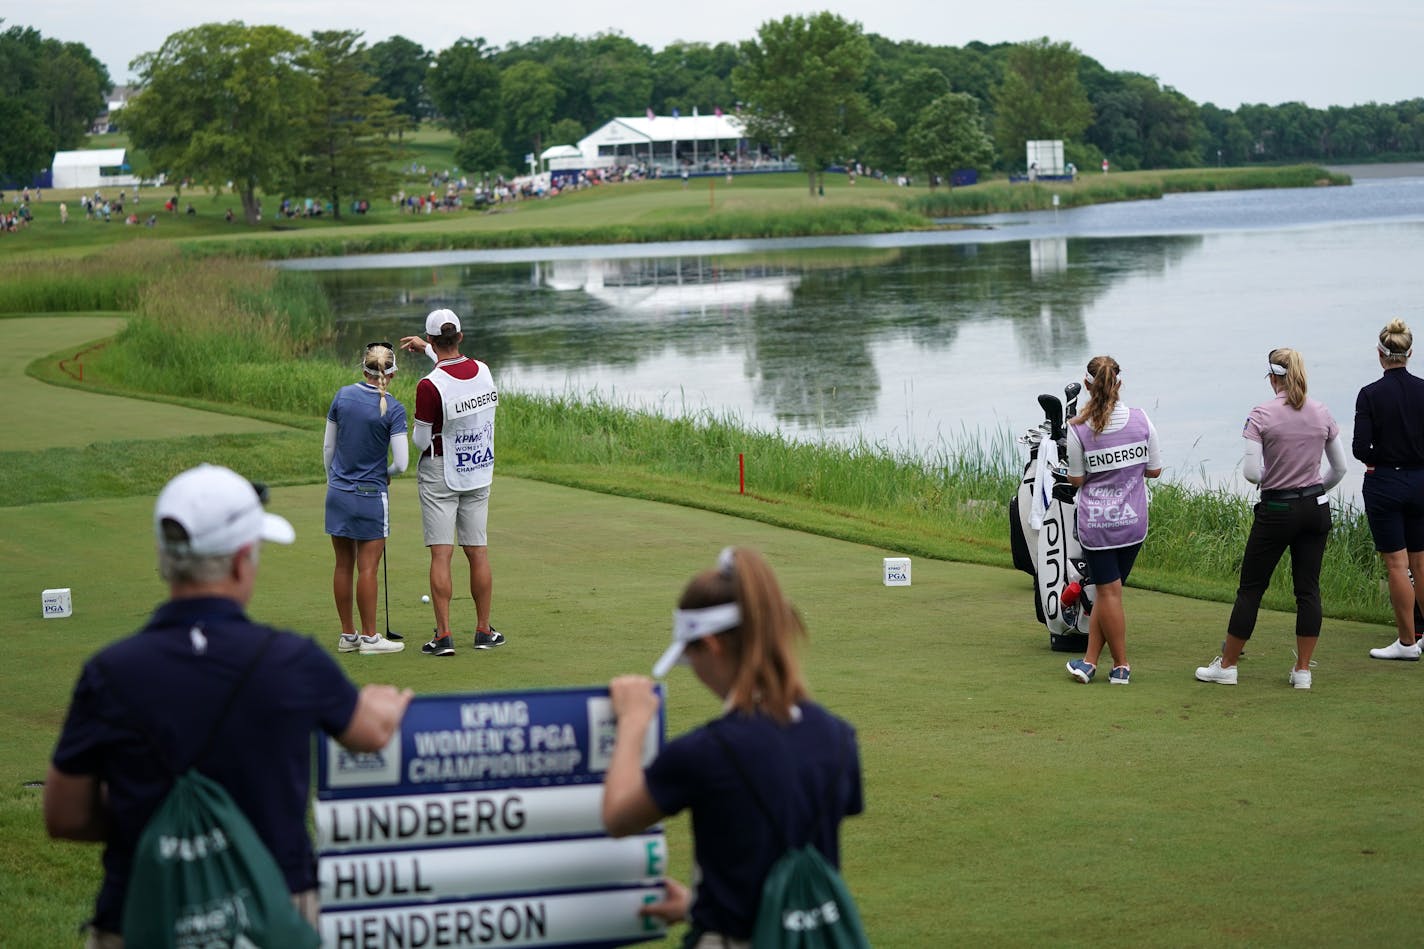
(386, 590)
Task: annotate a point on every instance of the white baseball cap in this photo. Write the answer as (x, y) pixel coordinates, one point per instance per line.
(220, 511)
(437, 319)
(691, 625)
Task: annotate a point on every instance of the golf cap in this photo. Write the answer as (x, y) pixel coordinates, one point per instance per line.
(437, 319)
(691, 625)
(220, 511)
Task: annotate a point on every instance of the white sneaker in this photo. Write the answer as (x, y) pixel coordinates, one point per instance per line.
(1300, 678)
(1397, 650)
(1215, 673)
(371, 645)
(345, 643)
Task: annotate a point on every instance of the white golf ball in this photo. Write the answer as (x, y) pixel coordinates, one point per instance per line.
(425, 598)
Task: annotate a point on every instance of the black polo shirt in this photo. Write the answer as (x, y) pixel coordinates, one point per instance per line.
(172, 678)
(1389, 421)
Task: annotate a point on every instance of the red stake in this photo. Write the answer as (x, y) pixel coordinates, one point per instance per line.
(741, 474)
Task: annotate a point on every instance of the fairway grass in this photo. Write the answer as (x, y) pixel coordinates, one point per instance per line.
(70, 418)
(1005, 805)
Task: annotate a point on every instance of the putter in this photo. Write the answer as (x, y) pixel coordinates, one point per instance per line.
(386, 588)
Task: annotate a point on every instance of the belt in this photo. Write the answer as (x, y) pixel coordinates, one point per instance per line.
(1291, 494)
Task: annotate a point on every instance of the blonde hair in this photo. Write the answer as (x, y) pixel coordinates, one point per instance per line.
(1294, 379)
(1104, 383)
(379, 362)
(762, 648)
(1396, 342)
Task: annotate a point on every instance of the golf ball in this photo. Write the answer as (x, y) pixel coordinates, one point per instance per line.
(425, 598)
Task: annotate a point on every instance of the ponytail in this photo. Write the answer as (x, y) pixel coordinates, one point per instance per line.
(1293, 379)
(762, 647)
(380, 364)
(1104, 383)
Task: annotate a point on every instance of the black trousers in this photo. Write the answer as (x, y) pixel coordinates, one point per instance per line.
(1300, 525)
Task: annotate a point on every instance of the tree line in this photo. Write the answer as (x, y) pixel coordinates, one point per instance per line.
(262, 108)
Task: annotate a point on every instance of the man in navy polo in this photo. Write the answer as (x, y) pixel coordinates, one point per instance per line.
(145, 705)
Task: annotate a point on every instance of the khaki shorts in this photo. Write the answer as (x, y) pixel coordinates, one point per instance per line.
(450, 517)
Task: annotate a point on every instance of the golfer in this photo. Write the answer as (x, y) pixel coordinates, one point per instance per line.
(454, 432)
(1389, 439)
(364, 447)
(144, 707)
(776, 770)
(1111, 449)
(1285, 437)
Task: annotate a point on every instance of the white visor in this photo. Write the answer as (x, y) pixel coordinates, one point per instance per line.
(691, 625)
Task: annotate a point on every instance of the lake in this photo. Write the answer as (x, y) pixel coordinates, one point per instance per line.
(918, 342)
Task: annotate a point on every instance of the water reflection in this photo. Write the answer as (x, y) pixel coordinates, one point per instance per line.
(805, 330)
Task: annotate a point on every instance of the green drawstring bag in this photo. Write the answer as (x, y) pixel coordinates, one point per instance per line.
(201, 877)
(804, 902)
(806, 905)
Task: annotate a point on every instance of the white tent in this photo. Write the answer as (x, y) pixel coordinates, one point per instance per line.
(664, 139)
(557, 157)
(85, 168)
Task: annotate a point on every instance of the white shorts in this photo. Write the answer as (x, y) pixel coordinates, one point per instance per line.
(450, 517)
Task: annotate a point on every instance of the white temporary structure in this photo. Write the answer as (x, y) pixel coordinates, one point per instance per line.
(558, 157)
(87, 168)
(666, 140)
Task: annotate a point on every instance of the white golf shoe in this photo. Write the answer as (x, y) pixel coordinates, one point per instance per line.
(1397, 650)
(373, 645)
(1215, 673)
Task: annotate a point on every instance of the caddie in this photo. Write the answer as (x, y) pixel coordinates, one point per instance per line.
(454, 433)
(144, 706)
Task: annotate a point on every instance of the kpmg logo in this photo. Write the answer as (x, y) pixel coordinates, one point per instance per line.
(358, 769)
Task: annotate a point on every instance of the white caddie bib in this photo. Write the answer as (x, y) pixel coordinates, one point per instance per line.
(467, 429)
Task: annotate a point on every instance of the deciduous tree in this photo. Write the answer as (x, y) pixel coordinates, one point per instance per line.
(400, 67)
(1040, 96)
(803, 83)
(50, 93)
(464, 86)
(948, 135)
(527, 93)
(226, 102)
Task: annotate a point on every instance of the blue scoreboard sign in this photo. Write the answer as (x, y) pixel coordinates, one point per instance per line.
(479, 825)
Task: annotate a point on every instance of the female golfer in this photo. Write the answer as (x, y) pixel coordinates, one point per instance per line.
(1111, 448)
(1285, 437)
(364, 427)
(775, 770)
(1389, 439)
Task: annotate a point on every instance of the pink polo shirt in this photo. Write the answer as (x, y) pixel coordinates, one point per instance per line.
(1292, 441)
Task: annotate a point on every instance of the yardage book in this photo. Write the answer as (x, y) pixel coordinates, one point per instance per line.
(479, 825)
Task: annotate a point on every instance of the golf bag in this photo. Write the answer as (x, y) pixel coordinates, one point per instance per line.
(1043, 529)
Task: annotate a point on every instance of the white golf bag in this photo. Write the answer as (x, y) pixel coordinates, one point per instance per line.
(1043, 529)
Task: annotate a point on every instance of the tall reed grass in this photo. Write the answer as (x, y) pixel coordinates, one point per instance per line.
(1002, 197)
(111, 279)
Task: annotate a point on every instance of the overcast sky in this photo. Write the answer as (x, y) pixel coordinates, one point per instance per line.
(1222, 51)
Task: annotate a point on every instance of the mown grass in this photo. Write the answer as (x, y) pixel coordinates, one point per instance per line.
(986, 770)
(750, 206)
